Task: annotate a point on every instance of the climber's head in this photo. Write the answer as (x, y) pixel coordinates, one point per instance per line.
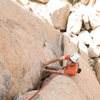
(74, 58)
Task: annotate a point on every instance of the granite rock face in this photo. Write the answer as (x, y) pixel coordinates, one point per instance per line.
(27, 39)
(25, 42)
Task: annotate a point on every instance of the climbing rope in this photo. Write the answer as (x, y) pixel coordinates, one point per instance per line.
(42, 87)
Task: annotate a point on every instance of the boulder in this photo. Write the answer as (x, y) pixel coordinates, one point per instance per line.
(83, 50)
(91, 63)
(86, 22)
(85, 2)
(93, 51)
(5, 80)
(86, 80)
(97, 68)
(60, 88)
(34, 6)
(26, 96)
(74, 23)
(60, 16)
(69, 45)
(94, 21)
(23, 40)
(86, 37)
(95, 35)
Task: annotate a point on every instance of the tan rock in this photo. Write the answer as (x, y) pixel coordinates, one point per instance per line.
(93, 51)
(98, 47)
(60, 17)
(26, 96)
(83, 50)
(86, 22)
(74, 23)
(94, 21)
(70, 45)
(42, 1)
(5, 80)
(85, 2)
(95, 35)
(60, 88)
(86, 37)
(22, 41)
(97, 68)
(87, 81)
(91, 63)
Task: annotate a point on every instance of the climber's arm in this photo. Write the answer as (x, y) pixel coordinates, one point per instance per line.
(55, 72)
(52, 71)
(53, 60)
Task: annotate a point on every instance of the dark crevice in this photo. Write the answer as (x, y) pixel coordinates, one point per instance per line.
(44, 44)
(63, 30)
(78, 49)
(87, 45)
(45, 76)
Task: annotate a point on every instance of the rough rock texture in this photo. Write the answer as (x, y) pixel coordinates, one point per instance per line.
(5, 81)
(42, 1)
(24, 42)
(85, 2)
(86, 80)
(94, 21)
(93, 51)
(60, 88)
(83, 50)
(87, 76)
(97, 68)
(74, 23)
(85, 37)
(60, 17)
(95, 35)
(86, 22)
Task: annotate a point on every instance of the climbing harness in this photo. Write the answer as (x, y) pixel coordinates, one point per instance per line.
(43, 87)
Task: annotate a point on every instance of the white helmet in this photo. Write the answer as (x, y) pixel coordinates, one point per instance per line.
(74, 57)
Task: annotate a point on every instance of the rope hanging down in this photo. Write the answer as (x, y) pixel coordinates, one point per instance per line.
(42, 87)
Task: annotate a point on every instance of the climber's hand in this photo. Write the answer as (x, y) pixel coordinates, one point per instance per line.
(42, 64)
(43, 69)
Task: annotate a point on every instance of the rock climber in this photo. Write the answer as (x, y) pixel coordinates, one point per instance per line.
(72, 66)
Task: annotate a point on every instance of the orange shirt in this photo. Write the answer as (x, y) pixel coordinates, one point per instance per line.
(70, 70)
